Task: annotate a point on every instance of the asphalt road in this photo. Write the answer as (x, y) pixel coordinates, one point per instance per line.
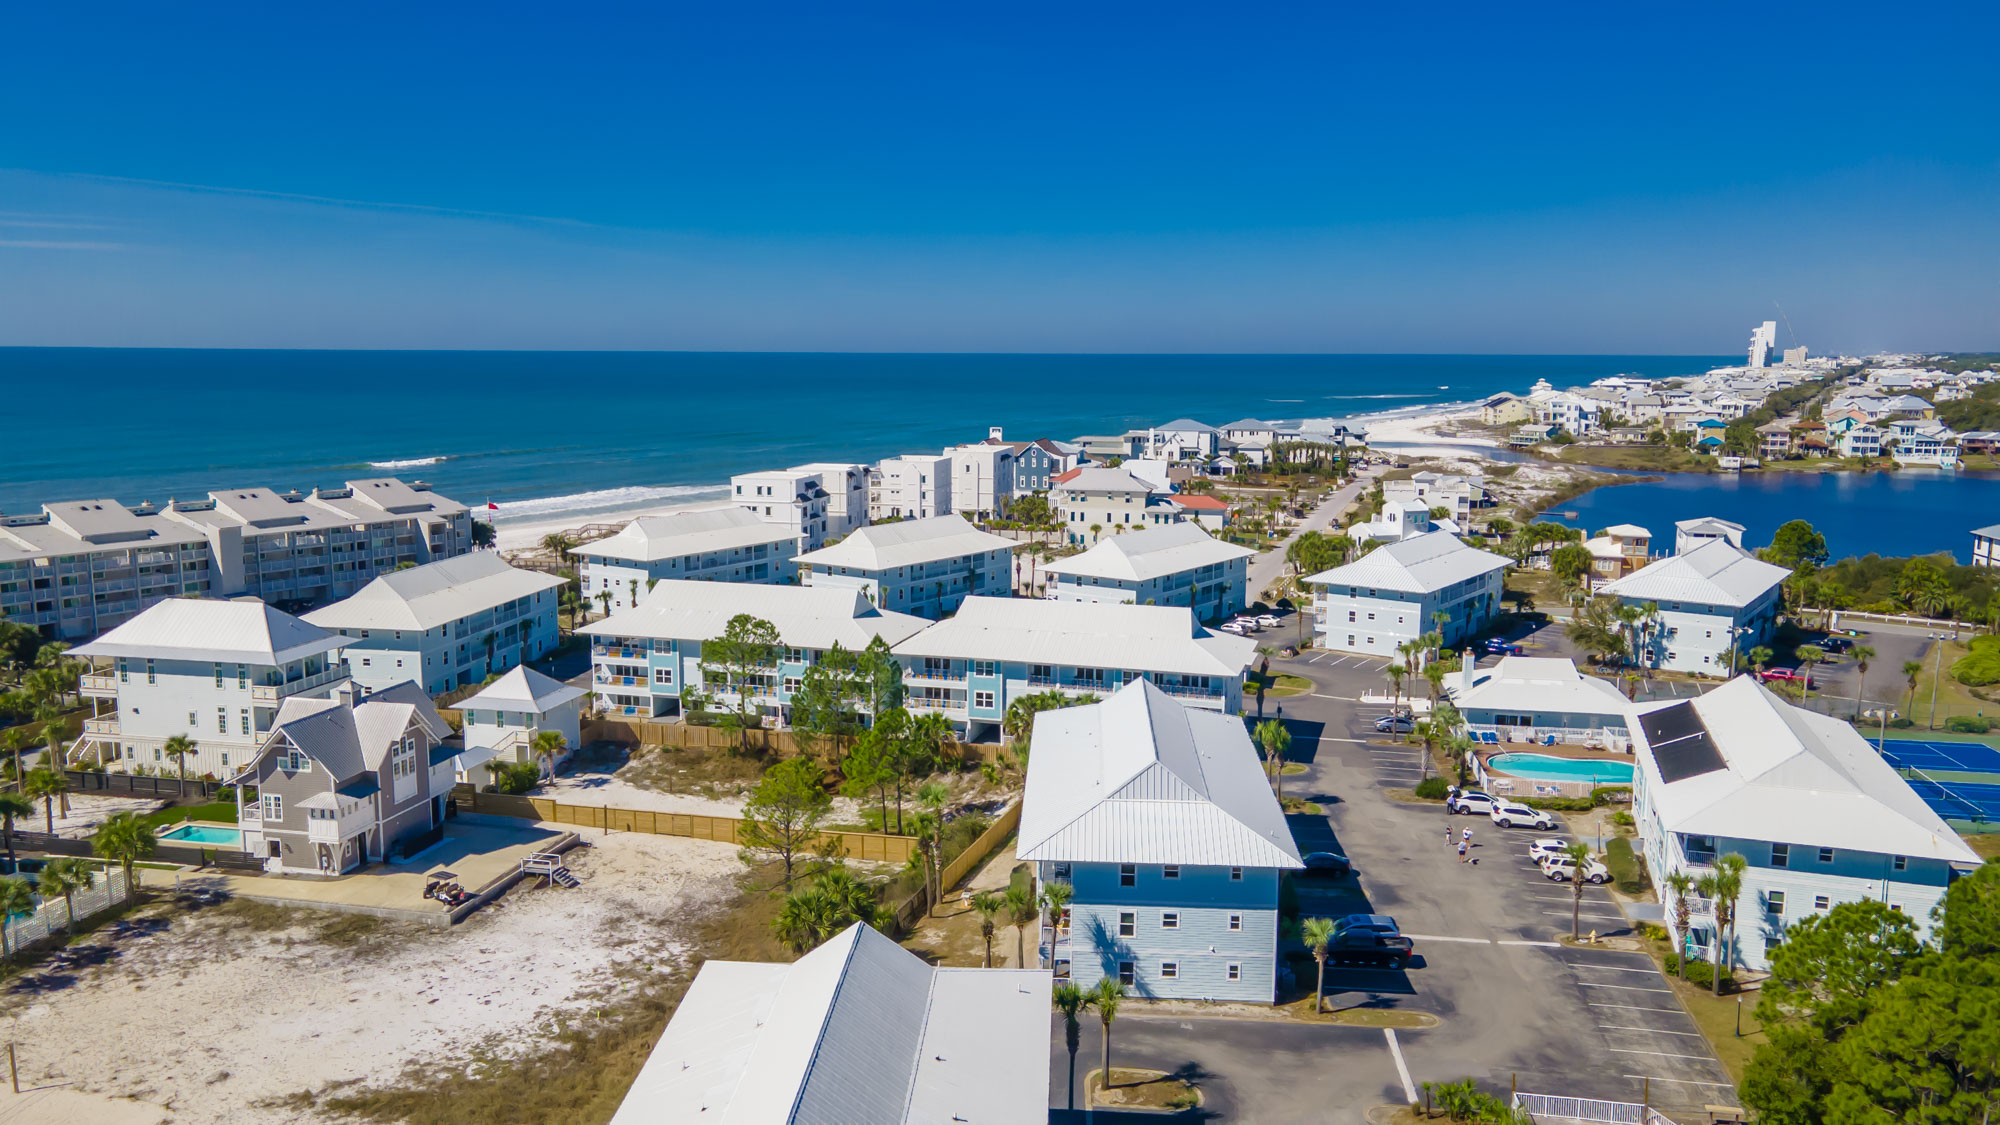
(1514, 1006)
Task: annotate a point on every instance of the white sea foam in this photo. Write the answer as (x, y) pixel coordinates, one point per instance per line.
(412, 463)
(605, 501)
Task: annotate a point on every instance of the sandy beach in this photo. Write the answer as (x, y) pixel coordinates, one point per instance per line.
(1424, 429)
(515, 534)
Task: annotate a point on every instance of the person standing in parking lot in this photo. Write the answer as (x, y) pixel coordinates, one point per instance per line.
(1461, 851)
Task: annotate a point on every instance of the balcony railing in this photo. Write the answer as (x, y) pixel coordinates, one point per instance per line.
(942, 706)
(102, 685)
(272, 693)
(933, 677)
(101, 726)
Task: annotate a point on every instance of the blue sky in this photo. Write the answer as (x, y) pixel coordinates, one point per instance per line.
(1104, 177)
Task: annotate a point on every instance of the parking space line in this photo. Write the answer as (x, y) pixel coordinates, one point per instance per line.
(1637, 1008)
(1402, 1068)
(1355, 741)
(1625, 987)
(1536, 944)
(1435, 937)
(1594, 917)
(1650, 1030)
(1613, 968)
(1660, 1054)
(1683, 1081)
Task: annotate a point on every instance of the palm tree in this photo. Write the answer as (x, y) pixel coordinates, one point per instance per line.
(1759, 657)
(1681, 884)
(55, 729)
(12, 740)
(1273, 736)
(833, 901)
(1316, 933)
(178, 748)
(1809, 655)
(125, 838)
(558, 544)
(1911, 670)
(1395, 674)
(65, 877)
(989, 906)
(1579, 858)
(12, 804)
(1071, 1001)
(604, 599)
(1105, 998)
(547, 747)
(17, 896)
(45, 785)
(1862, 655)
(1055, 900)
(1722, 888)
(1020, 903)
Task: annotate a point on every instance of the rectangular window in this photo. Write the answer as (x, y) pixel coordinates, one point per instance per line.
(242, 676)
(245, 717)
(1170, 970)
(1235, 923)
(1821, 902)
(1781, 855)
(1236, 874)
(1901, 863)
(1170, 920)
(1826, 855)
(274, 807)
(150, 676)
(1128, 874)
(218, 674)
(1170, 871)
(1235, 971)
(222, 720)
(1128, 923)
(792, 684)
(663, 676)
(983, 667)
(1774, 901)
(983, 700)
(1041, 672)
(1125, 974)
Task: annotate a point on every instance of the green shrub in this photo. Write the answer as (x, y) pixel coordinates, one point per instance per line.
(1899, 723)
(1981, 665)
(1611, 795)
(1652, 931)
(1432, 788)
(1701, 972)
(1622, 819)
(1968, 724)
(514, 777)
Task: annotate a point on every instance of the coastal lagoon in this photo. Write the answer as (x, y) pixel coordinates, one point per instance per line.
(1904, 512)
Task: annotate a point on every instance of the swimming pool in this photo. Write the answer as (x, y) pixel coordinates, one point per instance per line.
(1543, 767)
(205, 834)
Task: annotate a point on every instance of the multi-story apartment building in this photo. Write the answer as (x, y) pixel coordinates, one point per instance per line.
(926, 567)
(715, 545)
(1712, 599)
(1180, 439)
(791, 498)
(1394, 593)
(1819, 817)
(1177, 564)
(1092, 502)
(644, 659)
(81, 567)
(1037, 463)
(972, 665)
(1161, 820)
(912, 486)
(215, 671)
(445, 624)
(1460, 496)
(1986, 546)
(504, 718)
(982, 479)
(846, 488)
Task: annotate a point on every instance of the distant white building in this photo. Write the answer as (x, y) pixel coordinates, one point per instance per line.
(503, 720)
(1763, 339)
(912, 486)
(1175, 564)
(846, 486)
(795, 499)
(446, 624)
(1162, 821)
(1986, 546)
(982, 479)
(925, 566)
(858, 1030)
(1393, 593)
(1918, 442)
(1819, 816)
(1530, 698)
(1711, 599)
(1092, 502)
(1178, 440)
(727, 544)
(1399, 520)
(1459, 496)
(216, 671)
(1689, 534)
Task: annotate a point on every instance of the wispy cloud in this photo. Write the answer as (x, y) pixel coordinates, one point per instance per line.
(36, 244)
(325, 200)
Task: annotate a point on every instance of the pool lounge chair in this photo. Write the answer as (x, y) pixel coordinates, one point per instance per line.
(1548, 740)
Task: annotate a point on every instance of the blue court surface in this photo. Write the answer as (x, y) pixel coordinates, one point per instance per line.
(1965, 757)
(1952, 800)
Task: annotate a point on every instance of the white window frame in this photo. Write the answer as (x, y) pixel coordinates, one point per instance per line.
(274, 806)
(1235, 923)
(1234, 970)
(1170, 970)
(1170, 871)
(1128, 923)
(1170, 919)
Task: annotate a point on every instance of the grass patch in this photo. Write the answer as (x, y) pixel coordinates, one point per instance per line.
(1132, 1088)
(221, 811)
(1953, 698)
(322, 927)
(1278, 684)
(1648, 458)
(1301, 806)
(1293, 769)
(1987, 844)
(1302, 1009)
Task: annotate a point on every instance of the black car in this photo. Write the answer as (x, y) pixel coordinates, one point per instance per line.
(1369, 939)
(1328, 865)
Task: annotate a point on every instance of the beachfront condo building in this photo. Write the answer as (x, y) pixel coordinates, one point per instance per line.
(1819, 816)
(1460, 496)
(216, 671)
(644, 659)
(728, 544)
(972, 665)
(78, 568)
(1175, 564)
(982, 479)
(1712, 601)
(790, 498)
(1395, 593)
(846, 486)
(912, 486)
(444, 625)
(1180, 439)
(1092, 502)
(1161, 820)
(1038, 462)
(925, 567)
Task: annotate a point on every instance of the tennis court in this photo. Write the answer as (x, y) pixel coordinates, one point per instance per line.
(1954, 799)
(1960, 757)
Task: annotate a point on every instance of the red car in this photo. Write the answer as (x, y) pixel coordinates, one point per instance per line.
(1790, 675)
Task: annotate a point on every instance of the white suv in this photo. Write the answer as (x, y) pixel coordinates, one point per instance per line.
(1507, 814)
(1546, 846)
(1562, 869)
(1469, 801)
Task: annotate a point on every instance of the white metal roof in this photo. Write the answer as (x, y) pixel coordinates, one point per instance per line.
(1708, 525)
(885, 546)
(1715, 573)
(805, 616)
(1421, 564)
(1141, 555)
(650, 538)
(523, 689)
(1151, 638)
(241, 631)
(424, 597)
(1095, 478)
(858, 1030)
(1186, 425)
(1628, 531)
(1544, 684)
(1140, 778)
(1793, 776)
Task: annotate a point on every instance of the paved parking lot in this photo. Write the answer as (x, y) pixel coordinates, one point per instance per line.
(1515, 1006)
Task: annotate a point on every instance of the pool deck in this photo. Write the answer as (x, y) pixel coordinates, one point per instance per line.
(168, 837)
(483, 854)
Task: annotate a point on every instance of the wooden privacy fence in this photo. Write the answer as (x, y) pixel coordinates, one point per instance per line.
(874, 847)
(93, 781)
(645, 732)
(955, 872)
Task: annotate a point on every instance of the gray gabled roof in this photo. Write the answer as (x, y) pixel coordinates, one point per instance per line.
(1139, 778)
(523, 689)
(1167, 549)
(908, 543)
(1187, 424)
(240, 631)
(1421, 564)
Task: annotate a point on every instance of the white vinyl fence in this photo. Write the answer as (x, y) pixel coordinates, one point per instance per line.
(106, 891)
